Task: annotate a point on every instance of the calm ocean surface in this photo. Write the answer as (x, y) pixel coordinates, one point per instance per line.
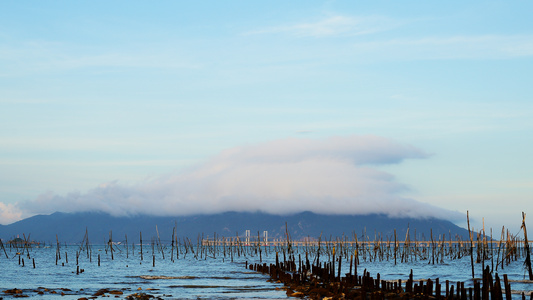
(191, 278)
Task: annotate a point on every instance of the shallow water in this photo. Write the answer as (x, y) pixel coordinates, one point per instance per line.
(191, 278)
(185, 278)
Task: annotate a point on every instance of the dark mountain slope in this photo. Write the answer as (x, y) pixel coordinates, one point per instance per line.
(71, 227)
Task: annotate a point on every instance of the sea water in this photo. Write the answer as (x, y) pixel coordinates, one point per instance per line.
(190, 277)
(183, 278)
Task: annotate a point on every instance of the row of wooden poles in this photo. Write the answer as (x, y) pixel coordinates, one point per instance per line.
(434, 251)
(321, 280)
(318, 278)
(322, 275)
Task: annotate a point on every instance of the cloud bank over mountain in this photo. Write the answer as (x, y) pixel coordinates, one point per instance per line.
(336, 175)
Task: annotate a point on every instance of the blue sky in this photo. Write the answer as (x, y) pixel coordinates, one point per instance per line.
(128, 94)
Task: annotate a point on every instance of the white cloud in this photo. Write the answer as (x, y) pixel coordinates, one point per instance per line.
(9, 213)
(334, 175)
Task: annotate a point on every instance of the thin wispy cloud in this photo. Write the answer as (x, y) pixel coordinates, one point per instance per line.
(448, 47)
(338, 175)
(386, 47)
(44, 56)
(332, 26)
(131, 60)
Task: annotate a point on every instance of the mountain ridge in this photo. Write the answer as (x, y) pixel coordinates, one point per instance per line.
(71, 227)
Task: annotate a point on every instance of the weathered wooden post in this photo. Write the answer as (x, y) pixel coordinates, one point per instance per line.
(471, 244)
(141, 241)
(526, 245)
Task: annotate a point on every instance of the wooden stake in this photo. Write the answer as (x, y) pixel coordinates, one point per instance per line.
(471, 244)
(526, 245)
